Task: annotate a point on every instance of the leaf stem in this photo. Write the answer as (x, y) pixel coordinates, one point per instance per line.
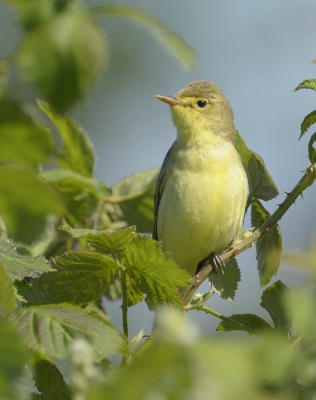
(306, 181)
(216, 314)
(124, 303)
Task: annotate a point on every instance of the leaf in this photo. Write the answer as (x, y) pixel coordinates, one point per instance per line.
(27, 204)
(261, 184)
(308, 121)
(226, 286)
(63, 56)
(77, 151)
(29, 293)
(272, 301)
(312, 149)
(178, 47)
(135, 196)
(80, 277)
(269, 246)
(48, 378)
(12, 357)
(97, 189)
(112, 242)
(7, 293)
(22, 140)
(250, 323)
(154, 271)
(307, 84)
(51, 329)
(81, 197)
(107, 242)
(18, 266)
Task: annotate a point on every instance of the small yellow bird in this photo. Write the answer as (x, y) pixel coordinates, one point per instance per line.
(202, 187)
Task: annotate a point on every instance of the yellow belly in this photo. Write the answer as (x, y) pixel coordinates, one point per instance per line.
(202, 205)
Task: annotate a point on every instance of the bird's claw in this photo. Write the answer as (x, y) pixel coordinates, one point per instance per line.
(216, 261)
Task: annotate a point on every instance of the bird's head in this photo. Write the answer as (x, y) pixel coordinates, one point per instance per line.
(201, 110)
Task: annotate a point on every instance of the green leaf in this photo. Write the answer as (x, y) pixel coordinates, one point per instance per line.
(51, 329)
(135, 196)
(22, 140)
(63, 56)
(12, 357)
(170, 39)
(312, 149)
(269, 246)
(80, 277)
(77, 151)
(7, 293)
(250, 323)
(134, 292)
(112, 242)
(18, 266)
(307, 84)
(154, 271)
(48, 378)
(107, 242)
(261, 184)
(97, 189)
(308, 121)
(27, 204)
(29, 293)
(272, 300)
(81, 197)
(226, 286)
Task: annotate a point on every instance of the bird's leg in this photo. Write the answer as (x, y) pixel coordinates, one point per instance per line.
(215, 260)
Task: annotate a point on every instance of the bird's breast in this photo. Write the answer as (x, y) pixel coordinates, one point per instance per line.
(203, 202)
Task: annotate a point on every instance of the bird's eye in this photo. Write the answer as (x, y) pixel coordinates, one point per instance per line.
(201, 103)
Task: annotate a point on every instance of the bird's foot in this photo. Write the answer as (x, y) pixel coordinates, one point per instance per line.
(216, 261)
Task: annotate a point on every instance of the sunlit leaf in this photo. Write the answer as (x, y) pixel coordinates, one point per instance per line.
(173, 41)
(308, 121)
(226, 286)
(63, 56)
(77, 151)
(269, 246)
(18, 266)
(80, 277)
(154, 271)
(107, 242)
(307, 84)
(51, 329)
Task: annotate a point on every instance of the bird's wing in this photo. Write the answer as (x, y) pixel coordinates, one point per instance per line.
(161, 182)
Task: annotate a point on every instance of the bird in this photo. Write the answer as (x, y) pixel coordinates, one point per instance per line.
(202, 187)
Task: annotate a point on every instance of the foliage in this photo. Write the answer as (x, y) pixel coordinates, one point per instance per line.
(69, 241)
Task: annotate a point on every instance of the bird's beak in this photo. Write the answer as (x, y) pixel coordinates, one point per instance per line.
(170, 100)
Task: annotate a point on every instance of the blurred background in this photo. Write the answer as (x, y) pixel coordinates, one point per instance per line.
(258, 52)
